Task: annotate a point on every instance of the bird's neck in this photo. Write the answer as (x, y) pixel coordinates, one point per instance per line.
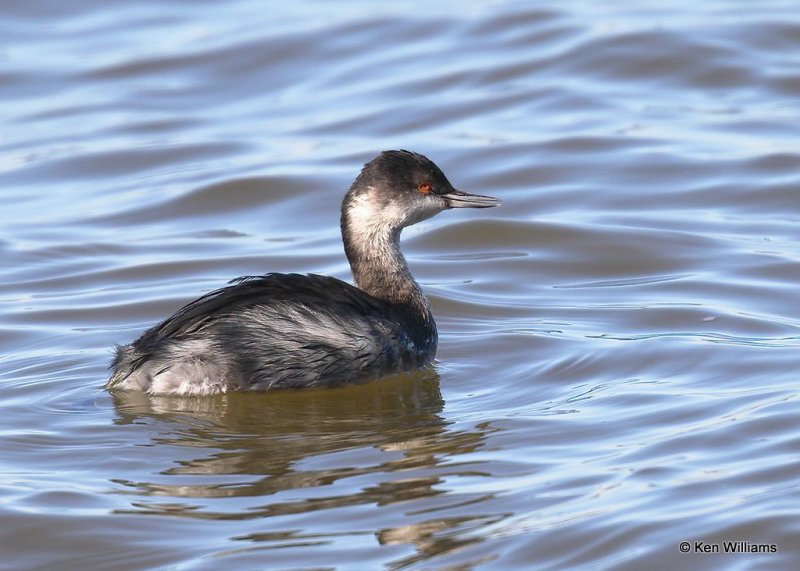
(372, 245)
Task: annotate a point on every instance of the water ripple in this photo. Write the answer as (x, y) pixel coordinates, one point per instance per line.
(618, 342)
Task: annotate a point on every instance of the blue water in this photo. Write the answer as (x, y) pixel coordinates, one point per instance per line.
(618, 362)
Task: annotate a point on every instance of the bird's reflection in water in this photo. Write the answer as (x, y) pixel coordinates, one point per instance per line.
(300, 439)
(277, 456)
(439, 536)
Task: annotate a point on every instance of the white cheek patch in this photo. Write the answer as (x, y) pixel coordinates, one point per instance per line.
(369, 220)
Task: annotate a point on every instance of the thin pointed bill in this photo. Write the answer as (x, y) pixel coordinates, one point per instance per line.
(459, 199)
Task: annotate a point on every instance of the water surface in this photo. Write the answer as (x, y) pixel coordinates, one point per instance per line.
(619, 343)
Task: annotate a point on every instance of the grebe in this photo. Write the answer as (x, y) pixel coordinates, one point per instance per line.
(280, 331)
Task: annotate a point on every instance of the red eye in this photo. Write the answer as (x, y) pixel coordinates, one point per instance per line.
(425, 187)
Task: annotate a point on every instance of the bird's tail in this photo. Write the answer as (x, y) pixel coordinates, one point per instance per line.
(121, 365)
